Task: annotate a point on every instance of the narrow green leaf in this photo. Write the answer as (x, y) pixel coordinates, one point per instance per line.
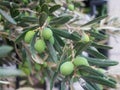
(23, 24)
(9, 4)
(54, 8)
(29, 19)
(41, 2)
(63, 86)
(52, 52)
(76, 36)
(5, 72)
(101, 62)
(64, 33)
(32, 43)
(100, 80)
(95, 20)
(60, 20)
(91, 71)
(97, 45)
(14, 12)
(26, 63)
(42, 18)
(96, 53)
(81, 47)
(7, 17)
(58, 38)
(4, 50)
(112, 80)
(88, 87)
(94, 85)
(29, 63)
(98, 35)
(44, 8)
(57, 47)
(53, 79)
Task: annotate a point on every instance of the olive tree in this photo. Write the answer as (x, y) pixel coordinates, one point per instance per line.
(48, 39)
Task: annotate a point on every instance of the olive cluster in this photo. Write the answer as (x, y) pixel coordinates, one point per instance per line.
(71, 7)
(68, 67)
(40, 44)
(46, 34)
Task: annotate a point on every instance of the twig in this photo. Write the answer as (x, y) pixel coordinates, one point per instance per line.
(17, 51)
(27, 9)
(73, 54)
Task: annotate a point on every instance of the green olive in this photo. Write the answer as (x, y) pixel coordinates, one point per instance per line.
(45, 64)
(67, 68)
(101, 70)
(85, 38)
(37, 67)
(47, 33)
(28, 36)
(71, 7)
(40, 46)
(80, 61)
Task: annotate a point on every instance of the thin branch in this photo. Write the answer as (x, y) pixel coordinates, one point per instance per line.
(17, 52)
(27, 9)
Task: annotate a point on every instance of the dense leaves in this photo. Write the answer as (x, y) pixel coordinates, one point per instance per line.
(40, 60)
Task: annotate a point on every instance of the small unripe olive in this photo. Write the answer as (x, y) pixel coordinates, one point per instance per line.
(45, 64)
(26, 70)
(71, 7)
(80, 61)
(37, 66)
(67, 68)
(47, 33)
(40, 46)
(52, 40)
(85, 38)
(100, 86)
(27, 14)
(42, 81)
(28, 36)
(48, 19)
(101, 70)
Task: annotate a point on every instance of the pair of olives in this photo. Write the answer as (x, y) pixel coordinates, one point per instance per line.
(40, 45)
(68, 67)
